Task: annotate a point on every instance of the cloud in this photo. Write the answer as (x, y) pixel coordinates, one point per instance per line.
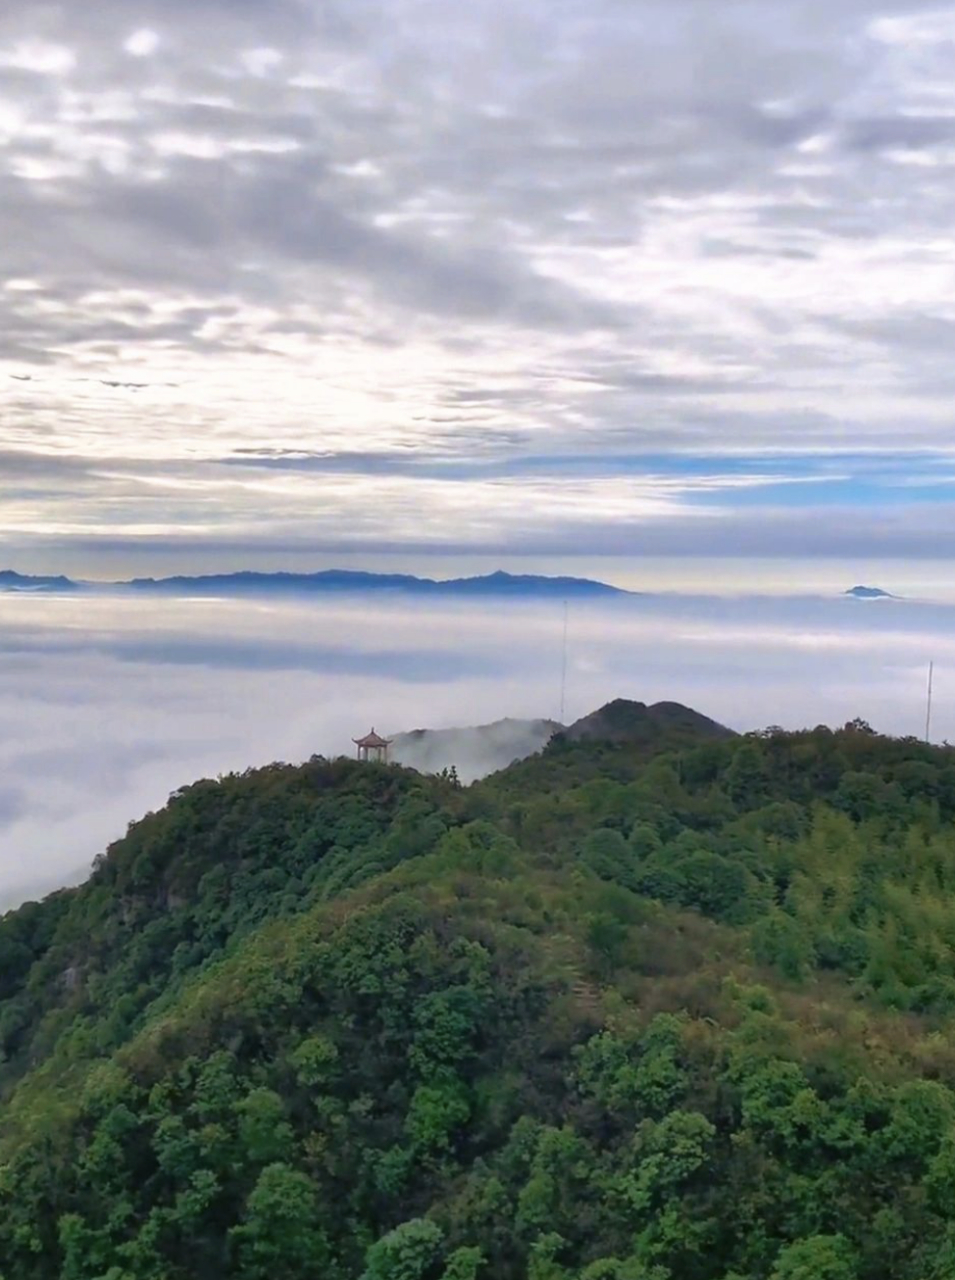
(382, 236)
(142, 43)
(108, 705)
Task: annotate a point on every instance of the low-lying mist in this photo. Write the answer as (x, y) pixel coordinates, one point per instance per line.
(107, 704)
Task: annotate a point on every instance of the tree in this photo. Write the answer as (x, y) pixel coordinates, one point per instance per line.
(713, 885)
(644, 841)
(543, 1263)
(745, 781)
(409, 1252)
(609, 855)
(817, 1258)
(781, 941)
(436, 1111)
(280, 1234)
(315, 1060)
(264, 1130)
(669, 1153)
(623, 1269)
(463, 1264)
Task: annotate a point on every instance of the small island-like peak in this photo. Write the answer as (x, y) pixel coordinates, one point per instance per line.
(869, 593)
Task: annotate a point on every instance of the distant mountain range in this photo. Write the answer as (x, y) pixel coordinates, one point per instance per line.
(10, 581)
(346, 581)
(328, 582)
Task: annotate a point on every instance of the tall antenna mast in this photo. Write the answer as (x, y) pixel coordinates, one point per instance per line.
(563, 668)
(928, 712)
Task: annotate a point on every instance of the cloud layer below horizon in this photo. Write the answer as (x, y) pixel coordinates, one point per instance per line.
(280, 279)
(109, 704)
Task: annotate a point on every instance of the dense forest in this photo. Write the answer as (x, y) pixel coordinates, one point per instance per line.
(660, 1003)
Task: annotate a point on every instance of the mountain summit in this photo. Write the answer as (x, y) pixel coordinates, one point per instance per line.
(21, 582)
(869, 593)
(623, 721)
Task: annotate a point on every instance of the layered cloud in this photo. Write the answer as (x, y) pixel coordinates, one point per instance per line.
(108, 704)
(358, 275)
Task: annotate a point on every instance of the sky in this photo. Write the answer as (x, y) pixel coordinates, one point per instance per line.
(636, 286)
(108, 704)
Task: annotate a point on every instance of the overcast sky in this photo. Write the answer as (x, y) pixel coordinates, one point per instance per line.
(293, 281)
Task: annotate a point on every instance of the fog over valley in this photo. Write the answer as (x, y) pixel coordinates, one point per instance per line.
(109, 704)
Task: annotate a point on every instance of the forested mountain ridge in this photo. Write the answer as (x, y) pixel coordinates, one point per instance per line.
(625, 1011)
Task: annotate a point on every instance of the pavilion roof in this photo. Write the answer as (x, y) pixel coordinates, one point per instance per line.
(372, 740)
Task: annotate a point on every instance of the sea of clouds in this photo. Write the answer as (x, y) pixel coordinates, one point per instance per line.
(108, 704)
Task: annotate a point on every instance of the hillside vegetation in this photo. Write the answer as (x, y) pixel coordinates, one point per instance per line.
(648, 1006)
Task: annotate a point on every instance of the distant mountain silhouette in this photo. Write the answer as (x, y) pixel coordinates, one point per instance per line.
(11, 581)
(331, 581)
(869, 593)
(346, 580)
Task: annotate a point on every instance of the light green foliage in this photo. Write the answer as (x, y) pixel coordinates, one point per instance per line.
(436, 1111)
(196, 1198)
(478, 846)
(445, 1026)
(550, 1192)
(543, 1262)
(644, 841)
(84, 1251)
(780, 940)
(217, 1087)
(625, 1269)
(407, 1253)
(280, 1235)
(667, 1154)
(819, 1258)
(314, 1060)
(464, 1264)
(922, 1116)
(939, 1181)
(746, 781)
(608, 854)
(643, 1079)
(264, 1131)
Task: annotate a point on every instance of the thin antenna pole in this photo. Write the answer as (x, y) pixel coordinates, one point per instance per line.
(928, 712)
(563, 668)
